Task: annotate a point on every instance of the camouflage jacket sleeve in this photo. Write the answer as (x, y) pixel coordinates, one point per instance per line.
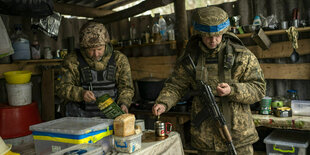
(250, 86)
(123, 80)
(68, 87)
(175, 87)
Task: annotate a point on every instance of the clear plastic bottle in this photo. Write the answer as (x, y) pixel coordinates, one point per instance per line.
(170, 30)
(156, 32)
(163, 28)
(20, 43)
(133, 32)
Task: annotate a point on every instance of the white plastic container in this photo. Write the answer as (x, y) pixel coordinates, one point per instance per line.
(300, 107)
(53, 136)
(85, 149)
(140, 122)
(128, 144)
(287, 142)
(19, 94)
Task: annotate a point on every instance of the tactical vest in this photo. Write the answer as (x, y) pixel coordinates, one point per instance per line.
(217, 70)
(99, 82)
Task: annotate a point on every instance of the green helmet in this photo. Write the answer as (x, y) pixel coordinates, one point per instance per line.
(93, 34)
(211, 21)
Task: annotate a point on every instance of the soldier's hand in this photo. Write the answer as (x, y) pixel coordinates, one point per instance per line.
(158, 109)
(89, 96)
(124, 108)
(223, 89)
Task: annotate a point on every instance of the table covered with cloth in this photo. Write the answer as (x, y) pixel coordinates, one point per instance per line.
(172, 145)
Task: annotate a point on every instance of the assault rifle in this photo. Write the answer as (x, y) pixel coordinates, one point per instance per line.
(211, 107)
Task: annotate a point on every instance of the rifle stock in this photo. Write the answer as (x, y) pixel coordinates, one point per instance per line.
(208, 99)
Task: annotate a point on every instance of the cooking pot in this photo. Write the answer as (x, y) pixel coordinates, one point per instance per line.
(149, 88)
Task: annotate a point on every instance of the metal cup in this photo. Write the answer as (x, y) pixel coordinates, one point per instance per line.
(161, 128)
(284, 25)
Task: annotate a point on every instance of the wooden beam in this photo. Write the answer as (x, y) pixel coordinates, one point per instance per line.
(114, 4)
(140, 8)
(48, 97)
(281, 49)
(286, 71)
(181, 29)
(75, 10)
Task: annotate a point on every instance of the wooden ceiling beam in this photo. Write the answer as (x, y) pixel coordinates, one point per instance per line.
(114, 4)
(140, 8)
(75, 10)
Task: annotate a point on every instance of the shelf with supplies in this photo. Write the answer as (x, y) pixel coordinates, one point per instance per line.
(172, 44)
(274, 32)
(30, 65)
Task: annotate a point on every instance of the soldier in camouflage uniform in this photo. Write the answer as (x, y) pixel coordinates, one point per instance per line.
(95, 70)
(232, 72)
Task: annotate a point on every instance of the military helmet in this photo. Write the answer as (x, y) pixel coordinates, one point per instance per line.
(211, 21)
(93, 34)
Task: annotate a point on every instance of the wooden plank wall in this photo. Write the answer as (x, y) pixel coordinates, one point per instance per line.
(162, 66)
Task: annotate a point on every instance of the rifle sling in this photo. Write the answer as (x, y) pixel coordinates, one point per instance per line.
(225, 76)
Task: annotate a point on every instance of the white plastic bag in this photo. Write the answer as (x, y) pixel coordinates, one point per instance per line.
(6, 48)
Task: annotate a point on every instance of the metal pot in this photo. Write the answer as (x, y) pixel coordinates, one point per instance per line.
(149, 88)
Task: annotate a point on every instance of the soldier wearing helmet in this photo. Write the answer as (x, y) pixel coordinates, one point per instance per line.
(234, 75)
(95, 70)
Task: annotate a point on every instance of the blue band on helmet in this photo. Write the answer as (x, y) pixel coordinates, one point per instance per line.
(216, 28)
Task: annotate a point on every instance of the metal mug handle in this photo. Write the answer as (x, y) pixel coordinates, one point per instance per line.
(170, 127)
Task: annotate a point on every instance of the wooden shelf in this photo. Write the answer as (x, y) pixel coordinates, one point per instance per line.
(37, 61)
(171, 43)
(274, 32)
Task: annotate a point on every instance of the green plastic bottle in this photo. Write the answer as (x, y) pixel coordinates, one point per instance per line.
(108, 106)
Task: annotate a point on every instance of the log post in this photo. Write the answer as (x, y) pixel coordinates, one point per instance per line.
(181, 29)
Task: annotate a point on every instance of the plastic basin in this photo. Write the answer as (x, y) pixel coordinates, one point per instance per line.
(15, 120)
(17, 77)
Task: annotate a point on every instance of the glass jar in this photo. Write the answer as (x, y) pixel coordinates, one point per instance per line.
(48, 53)
(291, 95)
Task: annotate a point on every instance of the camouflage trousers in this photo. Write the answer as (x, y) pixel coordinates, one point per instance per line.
(245, 150)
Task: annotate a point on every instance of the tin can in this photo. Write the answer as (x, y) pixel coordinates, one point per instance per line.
(265, 106)
(161, 128)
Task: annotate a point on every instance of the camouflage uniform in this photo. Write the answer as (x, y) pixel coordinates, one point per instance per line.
(247, 87)
(94, 35)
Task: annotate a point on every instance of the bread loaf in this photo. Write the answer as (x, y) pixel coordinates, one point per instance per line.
(124, 125)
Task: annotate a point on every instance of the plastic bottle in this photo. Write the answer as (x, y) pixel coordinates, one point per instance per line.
(163, 28)
(257, 21)
(170, 30)
(156, 32)
(133, 32)
(35, 47)
(20, 44)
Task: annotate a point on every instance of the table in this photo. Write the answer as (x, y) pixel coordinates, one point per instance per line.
(168, 146)
(294, 122)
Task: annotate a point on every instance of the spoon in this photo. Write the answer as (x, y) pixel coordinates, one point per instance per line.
(294, 56)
